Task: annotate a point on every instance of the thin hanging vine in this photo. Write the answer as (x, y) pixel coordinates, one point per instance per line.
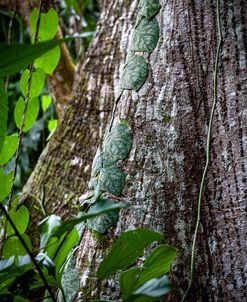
(208, 150)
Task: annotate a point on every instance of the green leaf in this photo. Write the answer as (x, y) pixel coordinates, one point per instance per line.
(156, 265)
(134, 73)
(13, 247)
(48, 24)
(128, 247)
(117, 144)
(9, 148)
(49, 60)
(44, 260)
(154, 288)
(3, 113)
(68, 224)
(149, 8)
(37, 82)
(145, 36)
(46, 228)
(112, 180)
(20, 218)
(52, 124)
(15, 57)
(5, 184)
(102, 222)
(45, 102)
(70, 280)
(97, 163)
(128, 280)
(31, 114)
(61, 255)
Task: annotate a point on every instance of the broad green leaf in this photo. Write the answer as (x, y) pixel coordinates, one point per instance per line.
(44, 260)
(102, 222)
(156, 265)
(45, 102)
(70, 241)
(46, 228)
(127, 248)
(52, 124)
(117, 144)
(70, 280)
(9, 148)
(134, 73)
(16, 57)
(154, 288)
(3, 113)
(20, 218)
(37, 82)
(112, 180)
(68, 224)
(31, 114)
(49, 60)
(48, 24)
(145, 36)
(128, 280)
(5, 184)
(20, 299)
(97, 163)
(149, 8)
(13, 247)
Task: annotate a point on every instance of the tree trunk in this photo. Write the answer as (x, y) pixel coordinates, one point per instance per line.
(169, 120)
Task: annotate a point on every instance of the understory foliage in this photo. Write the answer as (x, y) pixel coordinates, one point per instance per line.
(25, 270)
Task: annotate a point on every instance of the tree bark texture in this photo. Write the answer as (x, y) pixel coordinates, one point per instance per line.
(168, 117)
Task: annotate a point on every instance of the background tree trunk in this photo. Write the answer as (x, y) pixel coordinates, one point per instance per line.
(168, 118)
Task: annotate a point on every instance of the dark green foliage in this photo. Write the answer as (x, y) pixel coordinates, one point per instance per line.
(3, 114)
(125, 250)
(134, 73)
(148, 8)
(112, 180)
(102, 222)
(16, 57)
(145, 36)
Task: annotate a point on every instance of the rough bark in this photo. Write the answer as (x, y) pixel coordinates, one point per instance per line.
(169, 118)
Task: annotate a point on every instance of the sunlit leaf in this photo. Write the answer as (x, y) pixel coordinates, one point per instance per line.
(134, 73)
(125, 250)
(9, 148)
(49, 60)
(52, 124)
(71, 240)
(5, 184)
(45, 102)
(48, 24)
(31, 114)
(44, 260)
(37, 82)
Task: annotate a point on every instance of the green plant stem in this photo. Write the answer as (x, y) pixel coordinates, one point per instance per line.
(42, 276)
(208, 151)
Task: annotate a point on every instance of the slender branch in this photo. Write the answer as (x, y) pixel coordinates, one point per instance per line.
(208, 150)
(20, 135)
(23, 242)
